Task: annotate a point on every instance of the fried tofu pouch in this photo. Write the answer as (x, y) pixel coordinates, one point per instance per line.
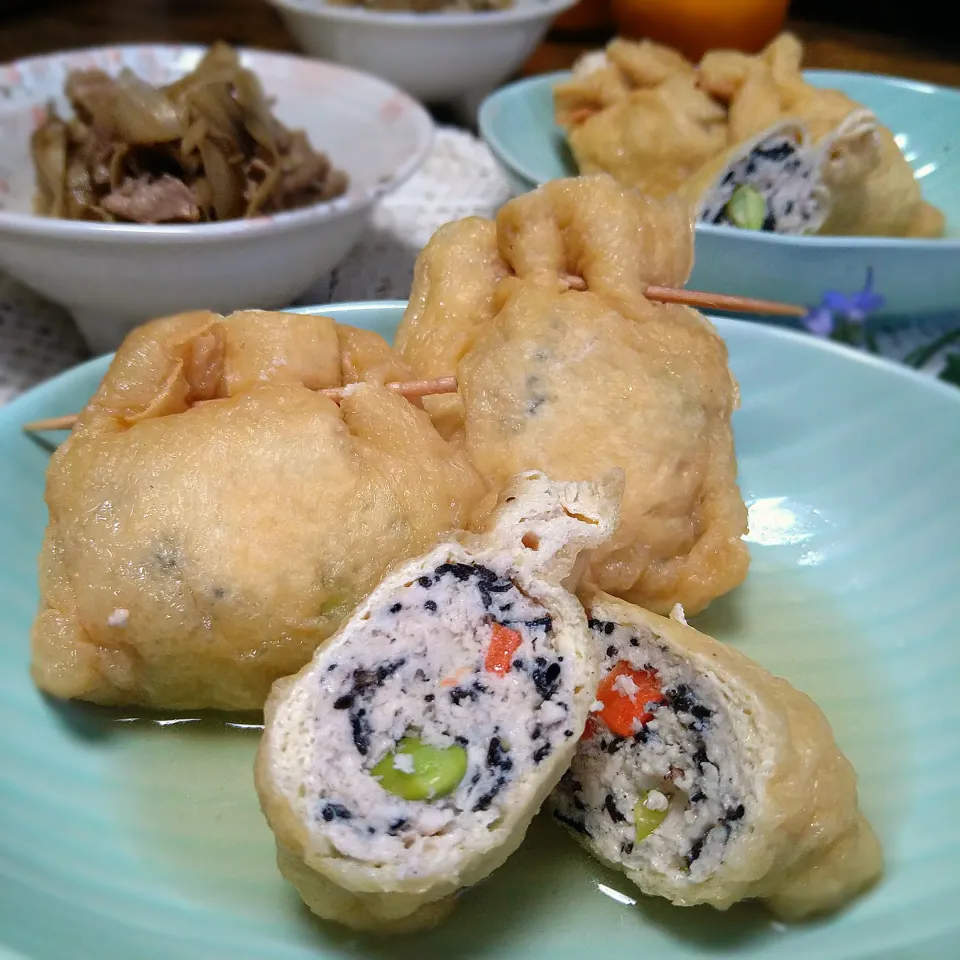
(578, 381)
(707, 780)
(644, 114)
(406, 761)
(872, 189)
(454, 296)
(213, 518)
(639, 114)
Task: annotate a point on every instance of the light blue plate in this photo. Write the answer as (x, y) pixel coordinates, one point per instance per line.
(142, 840)
(916, 276)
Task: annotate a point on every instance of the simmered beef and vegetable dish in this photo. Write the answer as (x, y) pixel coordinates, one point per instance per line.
(204, 148)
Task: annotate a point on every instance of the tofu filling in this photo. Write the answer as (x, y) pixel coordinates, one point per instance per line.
(672, 795)
(458, 657)
(786, 174)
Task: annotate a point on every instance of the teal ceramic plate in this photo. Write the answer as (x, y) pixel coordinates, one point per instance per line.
(916, 276)
(124, 837)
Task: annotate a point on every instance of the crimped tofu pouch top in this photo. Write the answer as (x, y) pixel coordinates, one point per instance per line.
(422, 665)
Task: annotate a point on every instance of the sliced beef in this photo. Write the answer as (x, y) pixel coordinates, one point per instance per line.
(147, 200)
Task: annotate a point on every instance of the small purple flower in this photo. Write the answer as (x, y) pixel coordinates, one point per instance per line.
(819, 322)
(855, 307)
(838, 310)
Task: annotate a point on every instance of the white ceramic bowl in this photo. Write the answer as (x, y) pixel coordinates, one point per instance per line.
(433, 56)
(114, 276)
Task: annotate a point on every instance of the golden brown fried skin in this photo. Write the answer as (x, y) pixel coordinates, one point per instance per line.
(574, 382)
(654, 138)
(567, 384)
(641, 117)
(885, 202)
(198, 551)
(606, 77)
(452, 298)
(580, 231)
(469, 268)
(755, 89)
(590, 229)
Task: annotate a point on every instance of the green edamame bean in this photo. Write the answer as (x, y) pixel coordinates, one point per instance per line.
(645, 820)
(746, 208)
(436, 771)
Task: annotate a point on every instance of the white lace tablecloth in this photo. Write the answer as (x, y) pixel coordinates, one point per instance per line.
(460, 178)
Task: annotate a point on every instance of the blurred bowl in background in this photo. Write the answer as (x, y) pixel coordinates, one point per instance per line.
(436, 57)
(113, 276)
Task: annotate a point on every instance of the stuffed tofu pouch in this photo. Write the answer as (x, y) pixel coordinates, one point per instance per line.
(871, 186)
(706, 779)
(773, 182)
(564, 366)
(406, 761)
(636, 111)
(214, 518)
(784, 180)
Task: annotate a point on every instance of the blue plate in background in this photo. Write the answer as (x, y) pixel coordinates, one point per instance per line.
(916, 276)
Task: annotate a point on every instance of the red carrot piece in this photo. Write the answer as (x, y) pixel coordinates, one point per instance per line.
(620, 710)
(503, 646)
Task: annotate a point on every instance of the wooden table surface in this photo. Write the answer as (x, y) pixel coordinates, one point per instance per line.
(43, 27)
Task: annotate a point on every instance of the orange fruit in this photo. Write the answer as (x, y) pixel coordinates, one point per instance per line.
(695, 26)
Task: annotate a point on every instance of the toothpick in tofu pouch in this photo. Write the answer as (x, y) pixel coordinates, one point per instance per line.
(213, 518)
(565, 366)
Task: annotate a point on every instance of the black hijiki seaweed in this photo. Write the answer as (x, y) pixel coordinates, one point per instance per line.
(546, 677)
(609, 804)
(544, 672)
(335, 811)
(364, 683)
(579, 826)
(730, 816)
